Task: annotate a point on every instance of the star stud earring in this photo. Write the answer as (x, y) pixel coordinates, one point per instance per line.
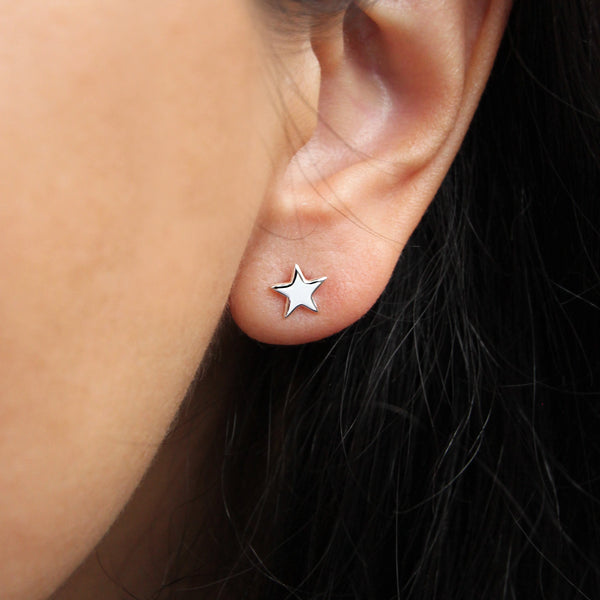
(299, 292)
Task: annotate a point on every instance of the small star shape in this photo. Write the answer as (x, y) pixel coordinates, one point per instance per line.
(299, 292)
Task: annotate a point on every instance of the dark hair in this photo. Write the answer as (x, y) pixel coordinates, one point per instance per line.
(448, 444)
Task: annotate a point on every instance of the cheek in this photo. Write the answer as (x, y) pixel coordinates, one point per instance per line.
(132, 165)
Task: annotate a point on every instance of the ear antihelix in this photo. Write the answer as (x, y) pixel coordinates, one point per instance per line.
(392, 80)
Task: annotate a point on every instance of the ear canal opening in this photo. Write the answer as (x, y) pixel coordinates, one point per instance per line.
(361, 36)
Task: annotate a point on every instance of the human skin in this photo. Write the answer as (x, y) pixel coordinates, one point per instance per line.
(152, 155)
(131, 172)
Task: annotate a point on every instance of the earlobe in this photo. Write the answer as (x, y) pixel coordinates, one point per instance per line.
(399, 83)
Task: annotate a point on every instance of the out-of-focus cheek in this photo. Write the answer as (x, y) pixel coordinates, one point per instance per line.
(132, 165)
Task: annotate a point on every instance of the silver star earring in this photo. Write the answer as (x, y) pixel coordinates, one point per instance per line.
(299, 292)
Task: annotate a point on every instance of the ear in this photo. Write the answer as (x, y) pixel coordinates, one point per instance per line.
(399, 82)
